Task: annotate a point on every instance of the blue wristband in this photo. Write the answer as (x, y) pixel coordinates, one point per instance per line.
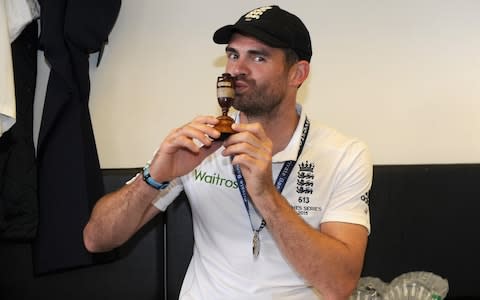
(152, 182)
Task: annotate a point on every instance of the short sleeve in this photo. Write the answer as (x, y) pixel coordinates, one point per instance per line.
(353, 180)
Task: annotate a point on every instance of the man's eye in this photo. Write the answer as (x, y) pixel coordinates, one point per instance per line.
(232, 55)
(259, 58)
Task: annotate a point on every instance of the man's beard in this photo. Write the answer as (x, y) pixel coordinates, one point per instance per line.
(260, 100)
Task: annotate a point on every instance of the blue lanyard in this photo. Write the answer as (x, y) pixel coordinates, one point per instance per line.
(279, 182)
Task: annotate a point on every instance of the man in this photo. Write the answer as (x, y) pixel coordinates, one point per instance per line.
(301, 235)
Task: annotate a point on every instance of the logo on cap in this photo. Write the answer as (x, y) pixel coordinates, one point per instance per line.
(256, 13)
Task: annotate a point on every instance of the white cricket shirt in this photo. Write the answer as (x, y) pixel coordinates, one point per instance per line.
(330, 182)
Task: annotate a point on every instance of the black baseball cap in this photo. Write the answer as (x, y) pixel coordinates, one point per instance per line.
(272, 25)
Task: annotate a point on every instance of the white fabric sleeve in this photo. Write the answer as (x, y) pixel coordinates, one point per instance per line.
(7, 88)
(349, 199)
(166, 196)
(19, 14)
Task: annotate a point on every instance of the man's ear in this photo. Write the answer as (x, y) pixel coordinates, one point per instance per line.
(299, 72)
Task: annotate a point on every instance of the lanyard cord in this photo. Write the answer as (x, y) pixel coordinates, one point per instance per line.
(279, 182)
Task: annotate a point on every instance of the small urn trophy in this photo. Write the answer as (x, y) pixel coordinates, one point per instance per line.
(225, 96)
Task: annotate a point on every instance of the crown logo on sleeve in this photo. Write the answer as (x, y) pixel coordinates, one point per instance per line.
(256, 13)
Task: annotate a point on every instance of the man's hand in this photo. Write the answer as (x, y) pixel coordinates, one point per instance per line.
(251, 149)
(184, 148)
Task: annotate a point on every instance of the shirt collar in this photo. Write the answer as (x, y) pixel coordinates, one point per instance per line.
(291, 151)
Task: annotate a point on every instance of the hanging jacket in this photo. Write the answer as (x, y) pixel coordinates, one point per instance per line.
(69, 175)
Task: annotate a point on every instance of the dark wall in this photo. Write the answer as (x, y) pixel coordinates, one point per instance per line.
(423, 219)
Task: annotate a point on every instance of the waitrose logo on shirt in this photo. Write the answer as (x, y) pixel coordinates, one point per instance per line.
(214, 179)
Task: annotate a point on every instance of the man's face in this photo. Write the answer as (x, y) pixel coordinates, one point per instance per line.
(262, 75)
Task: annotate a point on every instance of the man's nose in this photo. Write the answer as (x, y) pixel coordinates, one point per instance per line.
(237, 68)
